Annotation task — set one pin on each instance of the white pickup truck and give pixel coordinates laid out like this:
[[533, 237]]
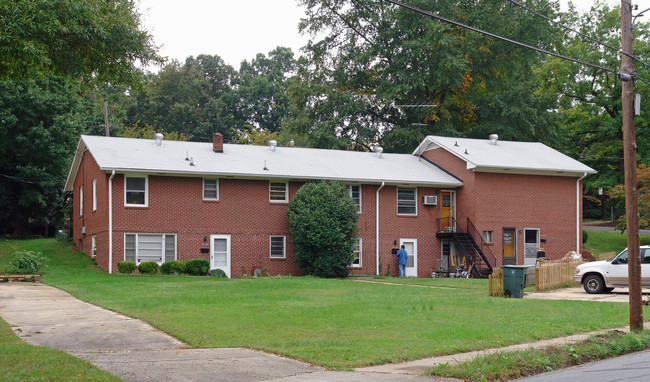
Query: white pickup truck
[[605, 275]]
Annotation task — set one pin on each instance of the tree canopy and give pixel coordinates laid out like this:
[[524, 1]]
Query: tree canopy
[[98, 40]]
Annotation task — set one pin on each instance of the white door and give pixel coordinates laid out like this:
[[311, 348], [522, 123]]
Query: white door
[[220, 253], [531, 245], [411, 247]]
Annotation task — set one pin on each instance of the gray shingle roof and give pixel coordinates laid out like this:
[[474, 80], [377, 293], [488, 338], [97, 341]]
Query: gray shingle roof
[[125, 155], [511, 156]]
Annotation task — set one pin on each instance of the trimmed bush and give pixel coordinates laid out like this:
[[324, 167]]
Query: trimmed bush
[[126, 267], [585, 236], [197, 267], [172, 268], [323, 221], [218, 273], [148, 267], [26, 262]]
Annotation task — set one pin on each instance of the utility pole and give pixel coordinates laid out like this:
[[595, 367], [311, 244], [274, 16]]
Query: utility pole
[[106, 127], [629, 155]]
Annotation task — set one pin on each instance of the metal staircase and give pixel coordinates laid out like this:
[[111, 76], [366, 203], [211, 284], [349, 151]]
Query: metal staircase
[[478, 263], [478, 255]]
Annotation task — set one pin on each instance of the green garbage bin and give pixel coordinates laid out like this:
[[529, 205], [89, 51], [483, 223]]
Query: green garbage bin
[[514, 280]]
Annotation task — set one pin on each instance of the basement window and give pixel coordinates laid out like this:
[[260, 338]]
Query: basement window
[[278, 247], [139, 247]]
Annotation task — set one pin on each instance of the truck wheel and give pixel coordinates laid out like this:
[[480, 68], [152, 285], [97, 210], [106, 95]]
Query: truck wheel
[[594, 284]]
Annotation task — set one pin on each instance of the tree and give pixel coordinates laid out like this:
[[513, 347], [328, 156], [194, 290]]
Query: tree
[[643, 189], [41, 123], [97, 40], [374, 56], [589, 99], [323, 221]]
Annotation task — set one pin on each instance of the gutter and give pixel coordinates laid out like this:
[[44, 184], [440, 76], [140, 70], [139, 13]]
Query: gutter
[[110, 222], [377, 226], [578, 194]]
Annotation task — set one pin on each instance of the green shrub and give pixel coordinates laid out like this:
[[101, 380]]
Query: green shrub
[[172, 268], [26, 262], [585, 236], [218, 273], [323, 221], [148, 267], [197, 267], [126, 267]]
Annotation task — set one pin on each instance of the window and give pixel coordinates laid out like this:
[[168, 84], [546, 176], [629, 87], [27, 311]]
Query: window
[[210, 189], [135, 191], [487, 236], [278, 192], [355, 193], [278, 248], [81, 200], [406, 198], [95, 194], [356, 252], [139, 247], [93, 249]]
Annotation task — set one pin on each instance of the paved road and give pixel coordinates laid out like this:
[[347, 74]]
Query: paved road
[[630, 368], [135, 351], [610, 229]]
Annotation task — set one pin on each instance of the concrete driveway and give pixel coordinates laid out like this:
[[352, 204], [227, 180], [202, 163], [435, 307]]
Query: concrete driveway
[[579, 294], [135, 351]]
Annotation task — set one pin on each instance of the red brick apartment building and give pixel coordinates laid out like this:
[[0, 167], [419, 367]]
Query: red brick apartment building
[[454, 203]]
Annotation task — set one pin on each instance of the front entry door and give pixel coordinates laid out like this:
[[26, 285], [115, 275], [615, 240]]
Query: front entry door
[[411, 247], [531, 245], [509, 253], [220, 253]]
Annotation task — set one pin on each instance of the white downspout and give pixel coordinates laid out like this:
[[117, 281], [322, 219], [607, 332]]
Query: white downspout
[[578, 194], [110, 222], [377, 226]]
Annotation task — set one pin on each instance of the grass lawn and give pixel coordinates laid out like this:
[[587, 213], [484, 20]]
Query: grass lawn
[[339, 324], [604, 242]]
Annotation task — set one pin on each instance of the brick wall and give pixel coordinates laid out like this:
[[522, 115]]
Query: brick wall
[[243, 211], [494, 201]]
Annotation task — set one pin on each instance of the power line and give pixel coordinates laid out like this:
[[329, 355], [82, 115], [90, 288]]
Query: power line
[[575, 31], [521, 44]]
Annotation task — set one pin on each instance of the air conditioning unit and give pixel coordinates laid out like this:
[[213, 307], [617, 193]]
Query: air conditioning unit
[[430, 200]]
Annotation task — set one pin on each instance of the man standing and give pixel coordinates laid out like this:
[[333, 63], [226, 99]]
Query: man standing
[[401, 261]]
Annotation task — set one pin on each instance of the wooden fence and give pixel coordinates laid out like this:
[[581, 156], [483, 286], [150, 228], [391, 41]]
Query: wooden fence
[[549, 274], [495, 282]]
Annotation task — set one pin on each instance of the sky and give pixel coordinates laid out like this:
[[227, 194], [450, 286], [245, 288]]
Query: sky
[[237, 30]]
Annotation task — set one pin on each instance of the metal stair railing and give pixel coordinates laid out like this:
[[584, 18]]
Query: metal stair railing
[[483, 249]]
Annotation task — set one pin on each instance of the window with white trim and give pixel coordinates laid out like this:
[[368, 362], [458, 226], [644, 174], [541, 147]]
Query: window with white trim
[[406, 201], [278, 192], [81, 200], [210, 189], [95, 194], [487, 236], [135, 190], [355, 194], [139, 247], [278, 247], [93, 249], [356, 252]]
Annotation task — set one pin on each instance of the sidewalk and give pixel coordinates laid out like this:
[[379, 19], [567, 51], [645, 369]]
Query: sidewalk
[[135, 351]]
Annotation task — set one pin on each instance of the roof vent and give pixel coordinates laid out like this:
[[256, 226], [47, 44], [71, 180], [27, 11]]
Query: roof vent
[[273, 144], [378, 151], [494, 138], [157, 139]]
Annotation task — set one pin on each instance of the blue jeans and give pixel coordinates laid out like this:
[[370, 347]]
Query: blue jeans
[[402, 270]]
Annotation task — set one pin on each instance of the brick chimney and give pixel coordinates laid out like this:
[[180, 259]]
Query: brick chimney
[[217, 143]]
